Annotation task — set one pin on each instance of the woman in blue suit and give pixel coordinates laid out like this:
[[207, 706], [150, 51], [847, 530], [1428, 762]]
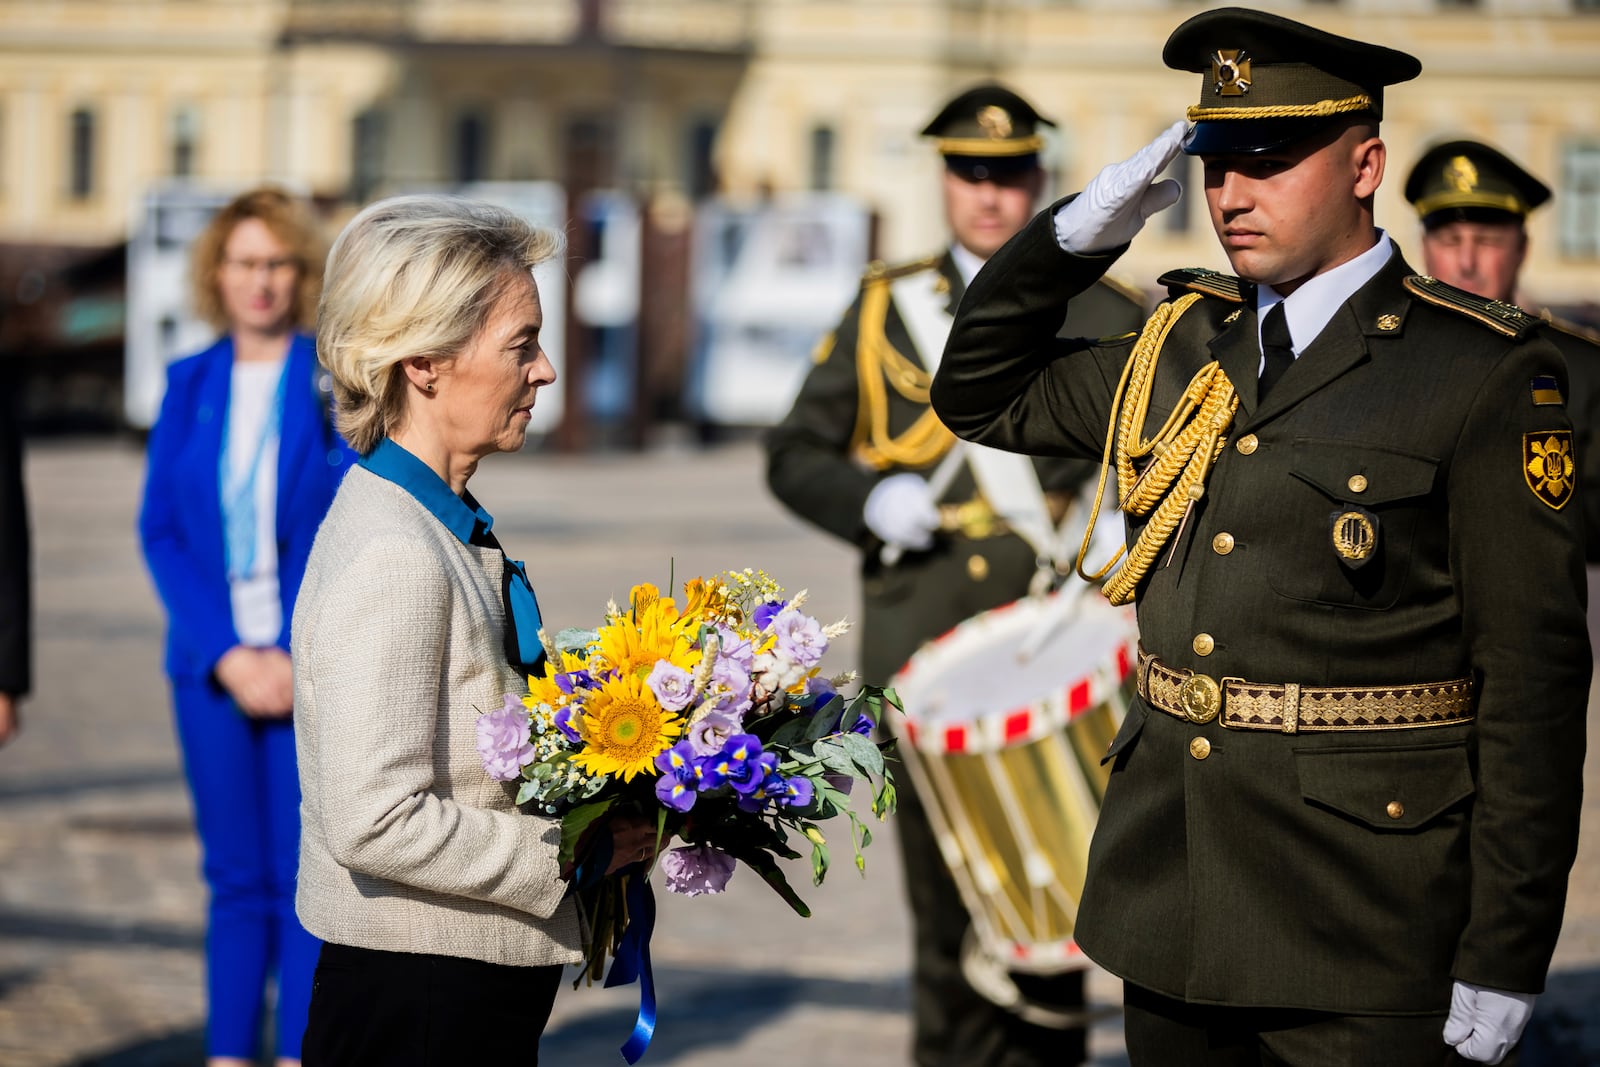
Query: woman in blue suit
[[243, 463]]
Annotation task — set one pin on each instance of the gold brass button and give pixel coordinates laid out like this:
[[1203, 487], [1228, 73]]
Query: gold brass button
[[1199, 748], [1357, 483], [977, 567], [1395, 809], [1222, 544], [1200, 698], [1247, 444], [1204, 644]]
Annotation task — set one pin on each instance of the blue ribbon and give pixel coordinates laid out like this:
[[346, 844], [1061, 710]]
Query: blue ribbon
[[633, 962]]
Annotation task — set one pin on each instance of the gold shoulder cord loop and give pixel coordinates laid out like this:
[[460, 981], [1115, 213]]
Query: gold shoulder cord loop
[[878, 364], [1184, 449]]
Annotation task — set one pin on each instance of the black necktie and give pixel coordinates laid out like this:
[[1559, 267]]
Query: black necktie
[[1277, 346]]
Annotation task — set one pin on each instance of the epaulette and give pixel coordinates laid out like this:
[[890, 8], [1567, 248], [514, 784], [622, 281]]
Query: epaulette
[[1128, 292], [1505, 319], [1567, 326], [1201, 280], [879, 271]]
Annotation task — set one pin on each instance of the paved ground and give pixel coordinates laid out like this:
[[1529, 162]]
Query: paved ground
[[100, 902]]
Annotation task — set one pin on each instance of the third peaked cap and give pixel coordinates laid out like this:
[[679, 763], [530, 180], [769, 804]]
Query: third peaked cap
[[1270, 81]]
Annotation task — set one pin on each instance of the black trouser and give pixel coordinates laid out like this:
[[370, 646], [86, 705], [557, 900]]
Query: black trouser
[[1163, 1032], [402, 1009], [955, 1026]]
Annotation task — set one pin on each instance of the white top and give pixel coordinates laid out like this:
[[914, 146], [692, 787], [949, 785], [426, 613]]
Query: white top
[[257, 608], [1309, 308], [967, 262]]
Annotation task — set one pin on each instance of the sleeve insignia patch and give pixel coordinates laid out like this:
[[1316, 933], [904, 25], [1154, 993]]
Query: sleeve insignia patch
[[1545, 389], [1548, 467]]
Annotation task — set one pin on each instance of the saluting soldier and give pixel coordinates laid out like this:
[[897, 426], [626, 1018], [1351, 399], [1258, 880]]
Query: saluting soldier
[[855, 456], [1474, 202], [1342, 811]]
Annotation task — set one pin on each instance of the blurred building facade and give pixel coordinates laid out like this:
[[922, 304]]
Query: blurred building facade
[[350, 99]]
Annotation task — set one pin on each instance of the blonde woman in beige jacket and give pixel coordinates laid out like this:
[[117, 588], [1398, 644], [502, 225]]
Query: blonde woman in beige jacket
[[444, 915]]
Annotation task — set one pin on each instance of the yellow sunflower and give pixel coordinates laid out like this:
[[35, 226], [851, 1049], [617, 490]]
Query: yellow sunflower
[[624, 729], [632, 642]]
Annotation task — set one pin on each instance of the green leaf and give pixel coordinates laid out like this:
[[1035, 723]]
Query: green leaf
[[884, 803], [825, 720], [836, 758], [527, 791], [764, 865], [863, 753], [574, 639], [789, 734], [575, 822]]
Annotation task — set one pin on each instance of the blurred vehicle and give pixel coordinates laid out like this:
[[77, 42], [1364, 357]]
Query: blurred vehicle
[[767, 283]]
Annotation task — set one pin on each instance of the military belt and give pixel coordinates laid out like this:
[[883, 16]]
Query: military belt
[[1290, 708]]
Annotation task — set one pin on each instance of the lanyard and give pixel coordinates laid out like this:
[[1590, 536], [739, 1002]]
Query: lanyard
[[239, 510]]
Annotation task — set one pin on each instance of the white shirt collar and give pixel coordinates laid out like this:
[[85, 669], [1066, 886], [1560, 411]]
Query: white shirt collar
[[1308, 308], [967, 263]]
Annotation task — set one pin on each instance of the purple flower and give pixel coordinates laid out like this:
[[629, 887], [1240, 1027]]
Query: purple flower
[[735, 648], [862, 726], [800, 638], [731, 675], [842, 782], [563, 721], [796, 791], [672, 685], [503, 740], [765, 613], [573, 680], [709, 733], [741, 764], [680, 777], [697, 869]]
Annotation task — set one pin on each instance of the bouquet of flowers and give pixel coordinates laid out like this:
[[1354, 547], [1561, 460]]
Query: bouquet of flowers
[[713, 721]]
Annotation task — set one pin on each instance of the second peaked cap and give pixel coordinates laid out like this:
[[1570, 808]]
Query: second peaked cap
[[1270, 81], [987, 130]]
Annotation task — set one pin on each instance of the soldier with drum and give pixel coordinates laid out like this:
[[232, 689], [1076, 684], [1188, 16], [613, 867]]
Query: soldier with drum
[[862, 455], [1342, 812]]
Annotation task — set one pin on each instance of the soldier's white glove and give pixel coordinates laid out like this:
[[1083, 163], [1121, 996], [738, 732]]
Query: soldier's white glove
[[1115, 203], [1485, 1024], [900, 511]]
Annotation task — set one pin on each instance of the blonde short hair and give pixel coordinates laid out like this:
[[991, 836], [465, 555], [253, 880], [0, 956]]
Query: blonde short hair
[[290, 222], [412, 276]]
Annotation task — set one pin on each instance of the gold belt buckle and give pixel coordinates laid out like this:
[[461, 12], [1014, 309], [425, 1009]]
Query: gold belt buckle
[[1200, 698]]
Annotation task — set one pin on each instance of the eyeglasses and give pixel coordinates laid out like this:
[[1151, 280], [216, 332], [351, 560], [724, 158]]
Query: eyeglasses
[[254, 266]]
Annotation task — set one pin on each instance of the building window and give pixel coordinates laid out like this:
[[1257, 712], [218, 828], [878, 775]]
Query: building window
[[80, 167], [368, 135], [471, 148], [185, 138], [702, 162], [1580, 201], [822, 141]]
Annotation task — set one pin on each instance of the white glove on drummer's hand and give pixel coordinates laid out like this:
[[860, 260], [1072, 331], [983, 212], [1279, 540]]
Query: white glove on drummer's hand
[[1115, 203], [900, 511], [1485, 1024]]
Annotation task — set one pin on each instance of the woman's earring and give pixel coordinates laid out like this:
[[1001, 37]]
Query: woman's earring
[[429, 387]]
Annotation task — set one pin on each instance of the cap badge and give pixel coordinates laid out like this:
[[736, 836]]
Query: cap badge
[[1548, 467], [1230, 72], [1461, 174], [996, 122]]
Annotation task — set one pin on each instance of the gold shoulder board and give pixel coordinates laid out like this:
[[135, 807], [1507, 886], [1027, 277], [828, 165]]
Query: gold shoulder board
[[879, 271], [1504, 319], [1203, 281], [1123, 289], [1567, 326]]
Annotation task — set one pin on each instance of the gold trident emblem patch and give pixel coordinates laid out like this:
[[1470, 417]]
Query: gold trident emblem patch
[[1547, 465]]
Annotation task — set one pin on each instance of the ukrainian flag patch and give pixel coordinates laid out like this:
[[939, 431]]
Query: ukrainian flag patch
[[1545, 389]]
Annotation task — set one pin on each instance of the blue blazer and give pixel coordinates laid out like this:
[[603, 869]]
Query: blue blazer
[[180, 521]]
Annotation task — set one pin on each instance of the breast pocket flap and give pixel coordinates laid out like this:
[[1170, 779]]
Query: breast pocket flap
[[1362, 474], [1387, 788]]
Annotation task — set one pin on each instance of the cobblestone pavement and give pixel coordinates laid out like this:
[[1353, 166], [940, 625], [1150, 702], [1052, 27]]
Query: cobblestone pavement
[[101, 907]]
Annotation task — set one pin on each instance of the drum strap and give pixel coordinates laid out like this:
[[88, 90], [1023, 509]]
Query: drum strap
[[1008, 481]]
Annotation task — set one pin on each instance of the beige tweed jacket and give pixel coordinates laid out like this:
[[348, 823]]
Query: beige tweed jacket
[[406, 844]]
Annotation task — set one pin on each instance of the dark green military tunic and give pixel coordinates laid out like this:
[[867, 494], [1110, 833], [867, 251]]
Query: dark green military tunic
[[812, 469], [1581, 349], [1353, 872]]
